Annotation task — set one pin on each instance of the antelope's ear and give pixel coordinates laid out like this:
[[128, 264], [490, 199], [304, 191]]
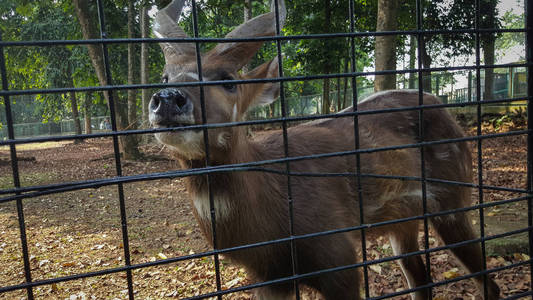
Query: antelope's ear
[[239, 54], [262, 93]]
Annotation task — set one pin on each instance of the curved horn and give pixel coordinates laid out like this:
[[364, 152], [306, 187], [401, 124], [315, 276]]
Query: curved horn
[[282, 13], [263, 25], [165, 26]]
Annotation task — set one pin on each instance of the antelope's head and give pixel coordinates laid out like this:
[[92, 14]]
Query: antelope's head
[[172, 107]]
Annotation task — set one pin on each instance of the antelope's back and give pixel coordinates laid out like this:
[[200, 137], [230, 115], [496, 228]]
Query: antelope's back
[[323, 184]]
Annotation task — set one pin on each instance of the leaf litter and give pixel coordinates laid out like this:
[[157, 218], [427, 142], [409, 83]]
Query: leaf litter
[[78, 232]]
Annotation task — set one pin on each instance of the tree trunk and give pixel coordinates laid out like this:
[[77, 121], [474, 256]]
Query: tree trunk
[[75, 114], [345, 96], [325, 97], [386, 45], [247, 10], [487, 43], [412, 62], [87, 22], [74, 106], [87, 113], [488, 58], [426, 63], [132, 141], [145, 94], [132, 94], [327, 63]]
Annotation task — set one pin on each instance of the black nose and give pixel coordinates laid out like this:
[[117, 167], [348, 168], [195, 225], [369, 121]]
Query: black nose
[[168, 105], [168, 98]]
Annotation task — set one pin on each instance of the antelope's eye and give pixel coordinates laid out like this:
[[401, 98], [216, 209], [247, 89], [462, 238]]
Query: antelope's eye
[[164, 79], [230, 87]]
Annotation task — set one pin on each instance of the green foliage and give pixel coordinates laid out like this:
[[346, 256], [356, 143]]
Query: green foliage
[[43, 67], [67, 66], [516, 118], [508, 40]]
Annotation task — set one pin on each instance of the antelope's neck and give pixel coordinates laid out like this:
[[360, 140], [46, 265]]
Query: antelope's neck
[[231, 190]]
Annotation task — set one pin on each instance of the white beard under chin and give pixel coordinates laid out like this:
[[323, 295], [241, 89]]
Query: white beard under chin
[[189, 143]]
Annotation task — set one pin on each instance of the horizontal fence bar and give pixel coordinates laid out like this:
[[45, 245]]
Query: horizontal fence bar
[[235, 167], [251, 81], [519, 295], [326, 271], [257, 122], [287, 279], [255, 39], [97, 183], [371, 226]]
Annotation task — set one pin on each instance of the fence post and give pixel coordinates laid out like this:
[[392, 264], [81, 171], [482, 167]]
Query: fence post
[[529, 60], [16, 176]]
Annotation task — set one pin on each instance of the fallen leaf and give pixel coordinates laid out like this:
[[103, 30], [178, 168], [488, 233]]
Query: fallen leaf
[[98, 247], [68, 264], [520, 256], [233, 282], [376, 268], [451, 274], [43, 262]]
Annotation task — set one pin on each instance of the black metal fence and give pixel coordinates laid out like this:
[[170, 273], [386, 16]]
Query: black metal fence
[[19, 194]]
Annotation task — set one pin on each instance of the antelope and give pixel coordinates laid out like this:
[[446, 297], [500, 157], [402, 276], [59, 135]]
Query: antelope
[[252, 206]]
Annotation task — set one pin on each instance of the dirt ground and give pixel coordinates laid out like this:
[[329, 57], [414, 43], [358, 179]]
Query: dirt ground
[[78, 232]]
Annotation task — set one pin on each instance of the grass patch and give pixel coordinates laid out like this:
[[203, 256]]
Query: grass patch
[[510, 245], [6, 182], [38, 146]]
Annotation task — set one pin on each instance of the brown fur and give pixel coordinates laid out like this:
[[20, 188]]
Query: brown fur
[[253, 207], [260, 206]]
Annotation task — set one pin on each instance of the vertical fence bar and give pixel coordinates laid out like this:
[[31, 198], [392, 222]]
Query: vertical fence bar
[[283, 102], [206, 148], [480, 144], [423, 182], [529, 59], [353, 69], [16, 176], [116, 148]]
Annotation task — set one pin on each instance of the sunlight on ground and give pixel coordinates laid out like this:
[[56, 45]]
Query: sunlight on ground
[[38, 146]]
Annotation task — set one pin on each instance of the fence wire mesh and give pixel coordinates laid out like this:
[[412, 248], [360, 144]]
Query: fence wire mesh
[[20, 194]]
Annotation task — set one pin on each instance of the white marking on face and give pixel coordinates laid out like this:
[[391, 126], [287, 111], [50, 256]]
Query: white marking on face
[[189, 143], [234, 113], [191, 75], [222, 206]]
